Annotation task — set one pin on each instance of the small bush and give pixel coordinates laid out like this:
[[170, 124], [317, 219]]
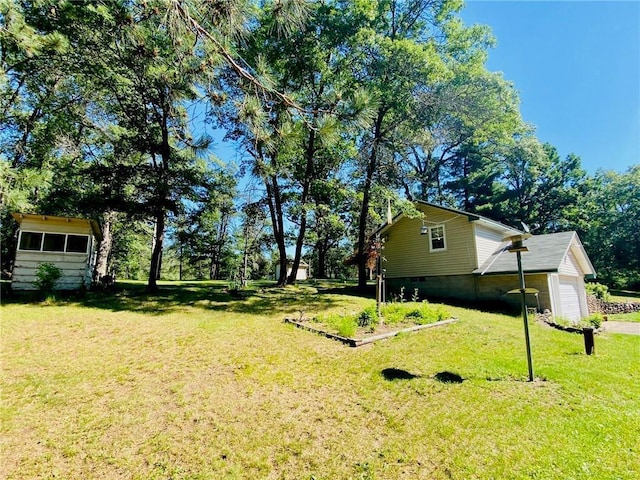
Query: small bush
[[420, 314], [347, 327], [595, 320], [368, 317], [47, 275], [598, 290], [393, 313], [344, 325]]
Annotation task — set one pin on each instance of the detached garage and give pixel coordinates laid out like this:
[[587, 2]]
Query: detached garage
[[68, 243], [555, 264]]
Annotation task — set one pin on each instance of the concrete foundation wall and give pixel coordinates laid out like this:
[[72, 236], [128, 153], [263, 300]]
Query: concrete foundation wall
[[474, 288]]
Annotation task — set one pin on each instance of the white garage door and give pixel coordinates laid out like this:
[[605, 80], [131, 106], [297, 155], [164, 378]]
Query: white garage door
[[570, 298]]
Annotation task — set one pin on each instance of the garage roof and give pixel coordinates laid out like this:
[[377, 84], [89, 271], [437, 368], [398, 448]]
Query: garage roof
[[546, 254]]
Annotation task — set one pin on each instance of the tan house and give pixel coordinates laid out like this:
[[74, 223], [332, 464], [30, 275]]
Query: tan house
[[455, 254], [68, 243]]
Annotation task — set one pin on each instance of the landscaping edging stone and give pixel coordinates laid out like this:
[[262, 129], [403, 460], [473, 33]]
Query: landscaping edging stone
[[548, 319], [357, 342]]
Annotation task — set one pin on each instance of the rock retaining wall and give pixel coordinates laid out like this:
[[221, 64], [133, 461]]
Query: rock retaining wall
[[609, 308]]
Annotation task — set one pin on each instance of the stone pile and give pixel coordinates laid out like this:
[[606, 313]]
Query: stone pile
[[609, 308]]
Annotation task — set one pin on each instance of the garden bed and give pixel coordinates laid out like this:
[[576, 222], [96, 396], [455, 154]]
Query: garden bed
[[369, 325], [381, 334]]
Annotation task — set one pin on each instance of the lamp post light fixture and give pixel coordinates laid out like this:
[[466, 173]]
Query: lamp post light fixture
[[518, 247]]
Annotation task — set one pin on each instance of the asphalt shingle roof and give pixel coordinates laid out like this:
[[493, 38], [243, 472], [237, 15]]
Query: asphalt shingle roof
[[545, 254]]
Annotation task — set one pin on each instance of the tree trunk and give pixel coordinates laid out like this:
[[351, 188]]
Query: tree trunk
[[104, 249], [303, 200], [277, 221], [366, 197], [156, 254], [321, 248]]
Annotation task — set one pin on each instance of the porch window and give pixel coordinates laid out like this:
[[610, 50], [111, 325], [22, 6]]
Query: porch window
[[53, 242], [77, 243], [30, 241], [437, 238]]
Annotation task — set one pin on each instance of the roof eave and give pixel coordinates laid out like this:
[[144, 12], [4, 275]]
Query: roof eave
[[515, 272]]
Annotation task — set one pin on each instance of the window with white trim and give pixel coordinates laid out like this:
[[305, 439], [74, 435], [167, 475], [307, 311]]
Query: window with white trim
[[30, 241], [53, 242], [437, 240]]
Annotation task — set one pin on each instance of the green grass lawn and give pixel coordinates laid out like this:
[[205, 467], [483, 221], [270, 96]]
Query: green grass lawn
[[625, 317], [625, 296], [192, 384]]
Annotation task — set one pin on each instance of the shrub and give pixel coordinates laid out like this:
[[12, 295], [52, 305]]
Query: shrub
[[347, 327], [421, 314], [595, 320], [47, 275], [393, 313], [368, 317], [344, 325], [598, 290]]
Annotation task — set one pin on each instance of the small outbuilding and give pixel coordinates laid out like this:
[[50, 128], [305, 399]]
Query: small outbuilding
[[68, 243], [303, 273]]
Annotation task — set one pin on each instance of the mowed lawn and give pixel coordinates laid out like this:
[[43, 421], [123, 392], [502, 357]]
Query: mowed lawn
[[192, 384]]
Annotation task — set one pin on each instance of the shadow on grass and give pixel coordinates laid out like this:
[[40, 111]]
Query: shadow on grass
[[625, 293], [448, 377], [172, 297], [392, 374]]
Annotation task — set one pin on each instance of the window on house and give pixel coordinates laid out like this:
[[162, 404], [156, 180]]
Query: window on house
[[77, 243], [30, 241], [53, 242], [437, 238]]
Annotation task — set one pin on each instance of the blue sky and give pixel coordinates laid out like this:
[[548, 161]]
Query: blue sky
[[576, 66]]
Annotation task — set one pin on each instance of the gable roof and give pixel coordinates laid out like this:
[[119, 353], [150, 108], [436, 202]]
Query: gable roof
[[472, 217], [546, 254]]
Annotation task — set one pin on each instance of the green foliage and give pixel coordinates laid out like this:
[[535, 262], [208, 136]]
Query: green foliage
[[47, 275], [347, 104], [419, 313], [608, 222], [598, 290], [393, 313], [345, 325], [594, 320], [415, 297], [425, 314], [368, 317]]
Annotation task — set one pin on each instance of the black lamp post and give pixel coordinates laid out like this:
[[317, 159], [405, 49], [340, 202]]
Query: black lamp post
[[518, 248]]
